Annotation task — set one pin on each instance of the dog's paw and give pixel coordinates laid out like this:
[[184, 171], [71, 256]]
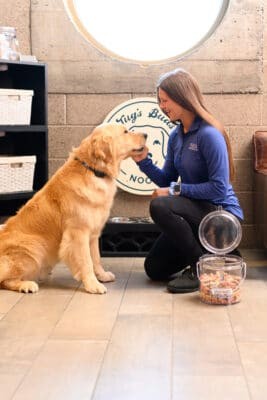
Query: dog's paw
[[106, 276], [28, 287], [95, 287]]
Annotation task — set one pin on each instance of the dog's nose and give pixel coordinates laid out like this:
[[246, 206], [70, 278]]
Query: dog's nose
[[145, 135]]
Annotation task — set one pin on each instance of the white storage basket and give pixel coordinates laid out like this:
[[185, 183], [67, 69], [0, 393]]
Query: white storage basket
[[15, 106], [16, 174]]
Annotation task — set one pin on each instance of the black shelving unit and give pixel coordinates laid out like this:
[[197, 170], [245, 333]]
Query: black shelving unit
[[24, 140]]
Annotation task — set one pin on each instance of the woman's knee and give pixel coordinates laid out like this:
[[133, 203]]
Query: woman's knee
[[153, 269], [157, 208]]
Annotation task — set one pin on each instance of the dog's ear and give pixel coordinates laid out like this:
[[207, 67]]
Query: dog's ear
[[102, 149], [102, 155]]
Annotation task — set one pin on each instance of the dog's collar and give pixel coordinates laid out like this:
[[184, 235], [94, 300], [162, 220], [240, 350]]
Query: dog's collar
[[99, 174]]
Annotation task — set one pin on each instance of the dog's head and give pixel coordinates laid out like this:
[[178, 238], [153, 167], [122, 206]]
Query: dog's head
[[108, 145]]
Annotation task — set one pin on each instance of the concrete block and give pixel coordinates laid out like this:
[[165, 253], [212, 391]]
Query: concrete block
[[264, 78], [100, 77], [63, 138], [235, 109], [54, 164], [264, 109], [56, 109], [249, 237], [91, 109], [241, 141], [238, 37], [226, 76], [113, 76], [264, 30], [61, 41], [246, 202], [244, 176], [44, 5], [130, 205], [16, 13], [241, 76]]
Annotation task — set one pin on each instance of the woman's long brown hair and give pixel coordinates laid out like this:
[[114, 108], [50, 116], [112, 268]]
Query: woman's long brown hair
[[182, 88]]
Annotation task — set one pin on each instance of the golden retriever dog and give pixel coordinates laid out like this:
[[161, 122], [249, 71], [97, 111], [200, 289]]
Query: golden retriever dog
[[63, 220]]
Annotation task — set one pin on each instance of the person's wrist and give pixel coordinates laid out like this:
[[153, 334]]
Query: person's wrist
[[175, 189]]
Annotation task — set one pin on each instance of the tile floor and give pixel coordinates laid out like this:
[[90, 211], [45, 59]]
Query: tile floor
[[136, 342]]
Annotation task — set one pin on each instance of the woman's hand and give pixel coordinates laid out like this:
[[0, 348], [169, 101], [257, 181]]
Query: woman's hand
[[160, 192], [141, 156]]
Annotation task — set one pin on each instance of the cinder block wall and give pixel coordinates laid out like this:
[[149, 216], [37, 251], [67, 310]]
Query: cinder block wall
[[85, 85]]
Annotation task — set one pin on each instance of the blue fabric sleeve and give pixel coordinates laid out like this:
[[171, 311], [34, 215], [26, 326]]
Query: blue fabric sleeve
[[162, 177], [214, 150]]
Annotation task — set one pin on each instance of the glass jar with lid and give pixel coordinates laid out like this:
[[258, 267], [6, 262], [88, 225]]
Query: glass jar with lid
[[9, 47], [220, 272]]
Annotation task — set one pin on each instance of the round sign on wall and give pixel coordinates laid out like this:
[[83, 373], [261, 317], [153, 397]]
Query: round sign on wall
[[142, 114]]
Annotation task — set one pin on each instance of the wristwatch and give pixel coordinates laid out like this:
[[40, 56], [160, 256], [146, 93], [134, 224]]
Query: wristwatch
[[175, 188]]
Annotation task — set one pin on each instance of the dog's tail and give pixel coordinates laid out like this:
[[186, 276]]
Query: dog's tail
[[5, 268]]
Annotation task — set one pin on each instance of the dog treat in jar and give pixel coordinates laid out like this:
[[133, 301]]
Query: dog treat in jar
[[220, 288], [220, 274]]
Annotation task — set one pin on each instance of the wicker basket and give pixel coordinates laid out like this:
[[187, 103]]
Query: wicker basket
[[16, 174], [15, 106]]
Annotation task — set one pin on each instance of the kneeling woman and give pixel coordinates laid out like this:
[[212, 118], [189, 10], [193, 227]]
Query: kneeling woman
[[194, 181]]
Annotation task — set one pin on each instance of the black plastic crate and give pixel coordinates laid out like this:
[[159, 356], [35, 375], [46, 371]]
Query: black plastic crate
[[122, 239]]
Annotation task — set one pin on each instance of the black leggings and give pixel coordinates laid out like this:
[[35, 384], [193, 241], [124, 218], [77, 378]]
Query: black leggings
[[178, 245]]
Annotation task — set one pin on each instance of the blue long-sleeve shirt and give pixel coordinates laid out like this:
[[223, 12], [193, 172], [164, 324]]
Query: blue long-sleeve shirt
[[200, 158]]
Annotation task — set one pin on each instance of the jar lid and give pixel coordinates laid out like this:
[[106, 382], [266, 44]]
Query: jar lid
[[220, 232]]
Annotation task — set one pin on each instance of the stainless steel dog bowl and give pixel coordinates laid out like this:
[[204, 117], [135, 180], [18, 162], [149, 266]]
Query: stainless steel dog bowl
[[130, 220]]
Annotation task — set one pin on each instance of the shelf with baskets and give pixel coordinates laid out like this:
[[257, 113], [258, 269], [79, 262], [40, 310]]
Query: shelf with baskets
[[24, 143]]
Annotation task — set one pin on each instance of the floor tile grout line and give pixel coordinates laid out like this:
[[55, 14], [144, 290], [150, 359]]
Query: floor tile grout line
[[111, 332], [55, 325], [63, 311], [172, 350], [42, 347], [17, 302], [128, 274], [240, 358], [27, 371]]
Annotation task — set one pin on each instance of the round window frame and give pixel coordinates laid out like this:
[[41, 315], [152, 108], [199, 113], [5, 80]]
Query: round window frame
[[73, 15]]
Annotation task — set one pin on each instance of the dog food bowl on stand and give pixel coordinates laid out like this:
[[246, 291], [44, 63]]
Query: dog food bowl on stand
[[220, 273]]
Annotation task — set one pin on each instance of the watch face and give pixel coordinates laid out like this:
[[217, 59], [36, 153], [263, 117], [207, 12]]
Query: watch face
[[176, 188]]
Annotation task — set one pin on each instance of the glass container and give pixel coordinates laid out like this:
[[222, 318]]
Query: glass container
[[9, 47], [220, 274]]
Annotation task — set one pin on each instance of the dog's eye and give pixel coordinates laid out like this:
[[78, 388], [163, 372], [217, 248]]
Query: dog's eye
[[125, 131]]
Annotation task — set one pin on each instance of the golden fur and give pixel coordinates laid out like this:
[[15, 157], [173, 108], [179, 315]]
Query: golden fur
[[63, 221]]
